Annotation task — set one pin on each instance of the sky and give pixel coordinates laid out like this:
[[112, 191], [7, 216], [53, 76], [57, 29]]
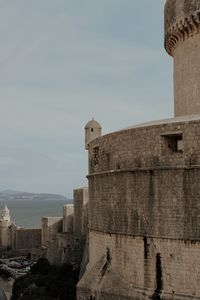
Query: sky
[[63, 62]]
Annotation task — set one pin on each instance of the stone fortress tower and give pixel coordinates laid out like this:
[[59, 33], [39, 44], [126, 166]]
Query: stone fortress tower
[[182, 41], [144, 189]]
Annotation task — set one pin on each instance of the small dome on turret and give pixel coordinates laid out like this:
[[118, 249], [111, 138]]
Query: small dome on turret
[[92, 124], [92, 131], [182, 19]]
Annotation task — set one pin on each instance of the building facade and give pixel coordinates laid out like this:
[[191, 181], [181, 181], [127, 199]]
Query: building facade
[[15, 238]]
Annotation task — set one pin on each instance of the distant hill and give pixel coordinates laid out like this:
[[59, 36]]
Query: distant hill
[[16, 195]]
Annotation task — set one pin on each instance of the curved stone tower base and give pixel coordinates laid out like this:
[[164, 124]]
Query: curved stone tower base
[[158, 267], [144, 213]]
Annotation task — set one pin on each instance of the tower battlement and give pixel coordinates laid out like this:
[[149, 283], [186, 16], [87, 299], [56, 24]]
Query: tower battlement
[[182, 20], [182, 42]]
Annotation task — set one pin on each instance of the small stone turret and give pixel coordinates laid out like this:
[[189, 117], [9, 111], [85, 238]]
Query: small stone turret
[[92, 131], [182, 41]]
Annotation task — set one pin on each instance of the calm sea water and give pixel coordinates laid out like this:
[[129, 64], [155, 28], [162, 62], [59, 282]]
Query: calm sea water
[[28, 213]]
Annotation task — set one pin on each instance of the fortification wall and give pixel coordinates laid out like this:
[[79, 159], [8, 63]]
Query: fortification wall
[[64, 237], [61, 249], [146, 147], [28, 238], [136, 261], [50, 227], [12, 233], [147, 188], [144, 207], [163, 203], [80, 211], [68, 218]]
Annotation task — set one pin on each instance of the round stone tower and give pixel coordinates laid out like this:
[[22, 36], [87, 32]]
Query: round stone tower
[[92, 131], [144, 188], [182, 42]]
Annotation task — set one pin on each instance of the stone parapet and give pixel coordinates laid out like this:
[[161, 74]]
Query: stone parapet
[[171, 144]]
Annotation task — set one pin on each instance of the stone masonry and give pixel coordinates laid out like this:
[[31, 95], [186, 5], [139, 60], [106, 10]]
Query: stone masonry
[[144, 189], [182, 27], [64, 238]]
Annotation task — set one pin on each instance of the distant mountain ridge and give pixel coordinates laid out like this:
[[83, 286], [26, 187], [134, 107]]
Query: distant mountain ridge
[[18, 195]]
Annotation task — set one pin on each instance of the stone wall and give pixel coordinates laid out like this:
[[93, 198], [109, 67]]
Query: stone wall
[[68, 218], [80, 211], [65, 246], [186, 88], [144, 190], [162, 203], [136, 259], [28, 238], [146, 147], [12, 233], [159, 196], [60, 250], [50, 227], [64, 238]]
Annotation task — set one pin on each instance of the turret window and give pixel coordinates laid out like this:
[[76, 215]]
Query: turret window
[[173, 142]]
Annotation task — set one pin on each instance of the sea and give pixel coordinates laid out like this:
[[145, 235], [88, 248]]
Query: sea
[[29, 213]]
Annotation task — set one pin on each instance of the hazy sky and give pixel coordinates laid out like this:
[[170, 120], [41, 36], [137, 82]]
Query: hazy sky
[[64, 62]]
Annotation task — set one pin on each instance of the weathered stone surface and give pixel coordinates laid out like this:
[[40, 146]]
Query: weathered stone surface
[[146, 147], [68, 217], [50, 227], [182, 41], [178, 10], [64, 238], [144, 189], [144, 207], [80, 211], [28, 238], [134, 262], [92, 131]]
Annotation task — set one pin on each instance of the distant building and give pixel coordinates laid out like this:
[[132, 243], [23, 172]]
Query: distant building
[[65, 238], [16, 238]]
